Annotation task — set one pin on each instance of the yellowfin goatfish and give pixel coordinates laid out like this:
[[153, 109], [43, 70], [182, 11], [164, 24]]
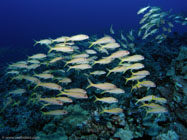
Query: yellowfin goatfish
[[103, 86], [17, 91], [134, 66], [157, 110], [133, 58], [79, 37], [105, 60], [44, 75], [136, 77], [65, 80], [43, 42], [112, 45], [64, 99], [38, 56], [77, 95], [55, 112], [80, 67], [107, 100], [75, 90], [61, 49], [77, 60], [116, 69], [98, 73], [60, 39], [114, 91], [142, 10], [52, 86], [103, 40], [114, 111], [140, 73], [118, 54], [52, 101]]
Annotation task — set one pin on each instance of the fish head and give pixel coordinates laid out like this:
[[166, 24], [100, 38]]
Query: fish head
[[86, 96], [59, 87], [60, 102], [64, 112]]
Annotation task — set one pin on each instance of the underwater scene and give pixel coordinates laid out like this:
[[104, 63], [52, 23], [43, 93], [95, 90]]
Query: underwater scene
[[93, 70]]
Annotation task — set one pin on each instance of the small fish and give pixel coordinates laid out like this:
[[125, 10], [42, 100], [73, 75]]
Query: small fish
[[52, 101], [103, 40], [44, 75], [79, 37], [142, 10], [75, 90], [61, 49], [157, 110], [38, 56], [111, 30], [98, 73], [65, 80], [146, 98], [133, 58], [114, 91], [136, 77], [61, 39], [89, 51], [77, 95], [107, 100], [134, 66], [116, 69], [103, 61], [55, 112], [140, 73], [54, 60], [159, 99], [33, 66], [17, 91], [52, 86], [18, 66], [13, 72], [151, 105], [148, 84], [31, 79], [80, 67], [112, 45], [33, 61], [64, 99], [80, 55], [118, 54], [103, 86], [43, 42], [76, 61], [114, 111]]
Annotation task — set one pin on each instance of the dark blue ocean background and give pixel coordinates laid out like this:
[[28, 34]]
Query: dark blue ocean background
[[21, 21]]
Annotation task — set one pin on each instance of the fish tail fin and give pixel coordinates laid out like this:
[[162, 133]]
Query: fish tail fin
[[69, 69], [44, 106], [61, 93], [109, 71], [96, 99], [127, 79], [137, 101], [35, 86], [50, 49], [36, 42], [66, 64], [90, 83], [91, 45], [103, 110]]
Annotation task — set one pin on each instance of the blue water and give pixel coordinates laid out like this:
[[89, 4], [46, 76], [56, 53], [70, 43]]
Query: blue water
[[24, 20]]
